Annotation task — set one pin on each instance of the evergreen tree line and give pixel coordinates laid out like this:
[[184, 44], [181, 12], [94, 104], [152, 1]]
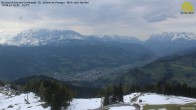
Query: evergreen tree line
[[2, 83], [177, 89], [114, 94], [56, 94]]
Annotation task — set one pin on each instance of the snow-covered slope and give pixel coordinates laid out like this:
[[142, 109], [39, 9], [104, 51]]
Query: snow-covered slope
[[85, 104], [129, 101], [18, 102], [152, 98], [157, 99], [128, 98]]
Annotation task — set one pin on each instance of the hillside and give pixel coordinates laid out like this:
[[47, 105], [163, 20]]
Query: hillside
[[31, 98], [63, 61], [16, 102], [82, 90], [131, 102], [174, 68]]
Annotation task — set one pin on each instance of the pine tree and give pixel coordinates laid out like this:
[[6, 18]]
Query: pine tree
[[106, 100], [41, 91], [1, 83], [53, 92], [120, 93]]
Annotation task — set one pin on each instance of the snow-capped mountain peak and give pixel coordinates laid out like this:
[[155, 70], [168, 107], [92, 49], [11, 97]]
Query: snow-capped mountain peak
[[168, 43], [173, 36], [38, 37], [41, 37], [4, 38]]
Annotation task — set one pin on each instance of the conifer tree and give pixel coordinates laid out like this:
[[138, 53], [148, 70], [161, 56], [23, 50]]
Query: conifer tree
[[120, 93], [41, 91], [106, 100]]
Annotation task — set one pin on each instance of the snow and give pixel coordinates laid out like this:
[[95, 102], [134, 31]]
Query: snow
[[85, 104], [157, 99], [36, 37], [18, 102], [127, 98], [4, 39], [173, 36], [162, 109], [122, 108], [147, 98]]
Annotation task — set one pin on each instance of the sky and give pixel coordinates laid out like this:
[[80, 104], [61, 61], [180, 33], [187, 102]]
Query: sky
[[134, 18]]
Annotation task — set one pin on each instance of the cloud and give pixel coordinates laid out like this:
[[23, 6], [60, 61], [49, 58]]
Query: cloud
[[125, 17]]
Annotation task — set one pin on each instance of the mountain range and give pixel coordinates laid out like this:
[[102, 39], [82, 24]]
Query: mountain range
[[67, 54], [168, 43], [70, 56], [43, 37], [162, 44]]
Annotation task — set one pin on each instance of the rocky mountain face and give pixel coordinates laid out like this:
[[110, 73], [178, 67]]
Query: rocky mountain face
[[59, 37], [164, 44], [170, 42]]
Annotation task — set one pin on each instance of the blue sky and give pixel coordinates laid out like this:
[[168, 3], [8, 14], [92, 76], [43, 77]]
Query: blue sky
[[136, 18]]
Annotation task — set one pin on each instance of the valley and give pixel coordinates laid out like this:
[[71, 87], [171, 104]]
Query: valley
[[158, 73], [97, 55]]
